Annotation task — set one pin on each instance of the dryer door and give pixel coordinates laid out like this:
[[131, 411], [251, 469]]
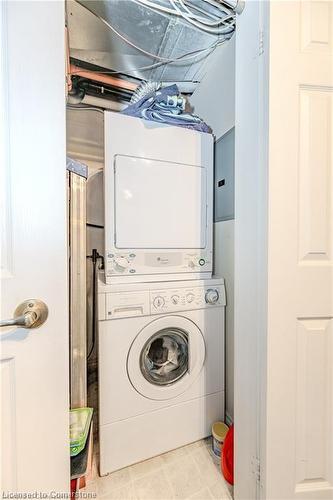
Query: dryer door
[[153, 194], [166, 357]]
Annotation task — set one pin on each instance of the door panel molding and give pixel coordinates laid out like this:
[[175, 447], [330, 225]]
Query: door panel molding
[[314, 404], [315, 174], [316, 26]]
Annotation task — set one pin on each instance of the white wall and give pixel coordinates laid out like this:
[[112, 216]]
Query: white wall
[[214, 101]]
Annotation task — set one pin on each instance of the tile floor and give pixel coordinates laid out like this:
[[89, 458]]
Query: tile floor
[[186, 473]]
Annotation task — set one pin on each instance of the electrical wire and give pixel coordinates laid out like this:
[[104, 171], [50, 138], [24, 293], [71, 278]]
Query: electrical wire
[[125, 39], [219, 6], [132, 44], [228, 20], [169, 10], [219, 21], [186, 56], [201, 20], [106, 72], [202, 11], [207, 29]]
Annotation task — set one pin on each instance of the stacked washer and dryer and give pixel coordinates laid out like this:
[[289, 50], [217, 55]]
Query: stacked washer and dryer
[[160, 312]]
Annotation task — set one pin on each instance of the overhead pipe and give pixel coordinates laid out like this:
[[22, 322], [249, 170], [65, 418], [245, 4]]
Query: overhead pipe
[[99, 77]]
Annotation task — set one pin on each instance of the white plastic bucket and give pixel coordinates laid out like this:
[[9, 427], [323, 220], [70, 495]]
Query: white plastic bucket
[[219, 432]]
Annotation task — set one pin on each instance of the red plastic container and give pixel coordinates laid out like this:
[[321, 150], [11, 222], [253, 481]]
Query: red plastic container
[[227, 458]]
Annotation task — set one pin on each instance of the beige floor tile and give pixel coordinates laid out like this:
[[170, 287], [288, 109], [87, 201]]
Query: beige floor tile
[[112, 482], [210, 474], [187, 473], [208, 442], [219, 491], [153, 486], [174, 455], [143, 468], [193, 446], [184, 477], [125, 493], [202, 495], [230, 489]]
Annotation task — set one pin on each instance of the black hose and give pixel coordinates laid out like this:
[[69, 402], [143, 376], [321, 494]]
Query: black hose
[[95, 258]]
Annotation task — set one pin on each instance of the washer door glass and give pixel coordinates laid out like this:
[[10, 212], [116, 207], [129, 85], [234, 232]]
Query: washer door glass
[[164, 357]]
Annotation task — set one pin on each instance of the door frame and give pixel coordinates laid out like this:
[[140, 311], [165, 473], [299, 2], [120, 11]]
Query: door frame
[[251, 233]]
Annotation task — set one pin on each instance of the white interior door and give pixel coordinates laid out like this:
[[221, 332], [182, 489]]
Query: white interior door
[[299, 403], [33, 363]]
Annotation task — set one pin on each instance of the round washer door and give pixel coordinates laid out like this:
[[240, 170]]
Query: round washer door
[[166, 357]]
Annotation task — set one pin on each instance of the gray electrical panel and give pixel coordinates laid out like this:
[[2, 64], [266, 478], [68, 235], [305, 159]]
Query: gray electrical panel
[[224, 177]]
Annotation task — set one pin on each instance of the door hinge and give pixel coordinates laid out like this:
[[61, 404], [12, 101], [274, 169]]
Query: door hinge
[[261, 42], [256, 468]]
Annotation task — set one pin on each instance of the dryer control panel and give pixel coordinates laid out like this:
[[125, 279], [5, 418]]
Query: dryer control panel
[[182, 299]]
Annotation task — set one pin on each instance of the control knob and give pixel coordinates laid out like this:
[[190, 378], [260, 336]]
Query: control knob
[[158, 302], [121, 263], [212, 296], [195, 262], [175, 299]]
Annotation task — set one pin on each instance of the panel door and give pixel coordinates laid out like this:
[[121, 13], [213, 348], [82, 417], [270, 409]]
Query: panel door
[[33, 362], [299, 412]]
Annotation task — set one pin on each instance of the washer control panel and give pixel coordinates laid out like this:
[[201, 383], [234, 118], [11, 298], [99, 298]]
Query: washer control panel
[[185, 298], [137, 299]]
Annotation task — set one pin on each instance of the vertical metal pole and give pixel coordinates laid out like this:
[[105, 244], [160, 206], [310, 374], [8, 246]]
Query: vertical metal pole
[[77, 279]]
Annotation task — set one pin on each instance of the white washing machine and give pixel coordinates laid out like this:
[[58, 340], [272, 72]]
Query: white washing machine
[[161, 367]]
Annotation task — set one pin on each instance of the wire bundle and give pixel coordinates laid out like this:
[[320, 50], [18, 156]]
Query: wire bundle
[[219, 22], [210, 16]]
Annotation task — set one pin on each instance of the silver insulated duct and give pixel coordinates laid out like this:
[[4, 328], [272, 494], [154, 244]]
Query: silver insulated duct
[[158, 40]]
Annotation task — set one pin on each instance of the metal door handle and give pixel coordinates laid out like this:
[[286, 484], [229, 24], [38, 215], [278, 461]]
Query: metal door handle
[[32, 313]]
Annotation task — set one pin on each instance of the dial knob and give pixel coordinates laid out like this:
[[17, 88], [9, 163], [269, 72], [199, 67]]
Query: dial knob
[[121, 263], [158, 302], [212, 296], [175, 299], [196, 261], [190, 297]]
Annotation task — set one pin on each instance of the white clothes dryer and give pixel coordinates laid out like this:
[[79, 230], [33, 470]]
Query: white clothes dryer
[[161, 367], [158, 182]]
